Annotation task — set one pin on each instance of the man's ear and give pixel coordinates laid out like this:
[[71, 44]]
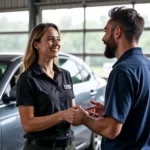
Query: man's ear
[[117, 32], [35, 45]]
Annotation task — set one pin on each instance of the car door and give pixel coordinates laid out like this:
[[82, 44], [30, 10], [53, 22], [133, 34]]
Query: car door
[[89, 85], [82, 133], [11, 129]]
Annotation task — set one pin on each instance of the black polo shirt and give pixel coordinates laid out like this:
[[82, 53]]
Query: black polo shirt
[[128, 101], [47, 96]]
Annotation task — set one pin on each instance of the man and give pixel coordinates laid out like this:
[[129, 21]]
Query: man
[[125, 124]]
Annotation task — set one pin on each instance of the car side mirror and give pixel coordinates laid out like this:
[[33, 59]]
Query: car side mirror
[[11, 97], [13, 92]]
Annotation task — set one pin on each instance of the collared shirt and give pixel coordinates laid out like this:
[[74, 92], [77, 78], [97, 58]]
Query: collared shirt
[[47, 96], [128, 101]]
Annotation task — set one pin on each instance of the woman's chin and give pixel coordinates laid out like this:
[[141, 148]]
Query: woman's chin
[[54, 55]]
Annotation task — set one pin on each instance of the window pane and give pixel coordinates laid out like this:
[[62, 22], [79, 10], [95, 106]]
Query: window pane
[[85, 75], [143, 9], [14, 21], [3, 68], [94, 42], [72, 42], [13, 43], [97, 17], [144, 41], [71, 66], [65, 18], [100, 65]]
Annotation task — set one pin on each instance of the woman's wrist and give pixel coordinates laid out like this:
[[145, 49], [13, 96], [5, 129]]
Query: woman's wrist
[[61, 116]]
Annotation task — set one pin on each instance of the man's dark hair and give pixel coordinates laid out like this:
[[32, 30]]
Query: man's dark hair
[[129, 20]]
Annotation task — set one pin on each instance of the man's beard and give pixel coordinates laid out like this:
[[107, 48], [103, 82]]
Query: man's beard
[[110, 48]]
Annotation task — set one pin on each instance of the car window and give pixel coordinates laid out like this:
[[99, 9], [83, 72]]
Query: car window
[[10, 91], [3, 68], [84, 73], [6, 94], [71, 66]]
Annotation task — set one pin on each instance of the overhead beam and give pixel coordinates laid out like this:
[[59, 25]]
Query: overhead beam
[[88, 2]]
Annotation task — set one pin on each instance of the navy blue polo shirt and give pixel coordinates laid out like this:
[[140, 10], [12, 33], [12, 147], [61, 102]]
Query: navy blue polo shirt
[[128, 101], [47, 96]]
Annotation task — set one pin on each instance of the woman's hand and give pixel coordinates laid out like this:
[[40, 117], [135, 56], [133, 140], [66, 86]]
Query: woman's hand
[[69, 115]]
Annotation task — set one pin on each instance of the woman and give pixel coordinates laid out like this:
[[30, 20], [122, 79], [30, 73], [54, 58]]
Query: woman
[[45, 93]]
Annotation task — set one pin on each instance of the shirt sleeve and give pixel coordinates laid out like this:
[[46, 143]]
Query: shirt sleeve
[[25, 91], [119, 95]]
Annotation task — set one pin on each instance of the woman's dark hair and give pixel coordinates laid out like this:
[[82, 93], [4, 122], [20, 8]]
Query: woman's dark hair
[[129, 20]]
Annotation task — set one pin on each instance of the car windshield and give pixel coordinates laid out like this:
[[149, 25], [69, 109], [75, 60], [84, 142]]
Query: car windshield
[[3, 67]]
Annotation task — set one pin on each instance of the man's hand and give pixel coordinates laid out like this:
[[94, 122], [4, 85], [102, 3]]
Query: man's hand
[[97, 110], [79, 116]]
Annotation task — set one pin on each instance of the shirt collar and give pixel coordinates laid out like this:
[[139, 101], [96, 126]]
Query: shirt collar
[[38, 71], [129, 52]]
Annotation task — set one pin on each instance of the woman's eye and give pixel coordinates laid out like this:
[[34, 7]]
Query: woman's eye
[[50, 39]]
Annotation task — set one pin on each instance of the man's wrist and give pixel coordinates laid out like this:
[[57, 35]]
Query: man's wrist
[[85, 117]]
